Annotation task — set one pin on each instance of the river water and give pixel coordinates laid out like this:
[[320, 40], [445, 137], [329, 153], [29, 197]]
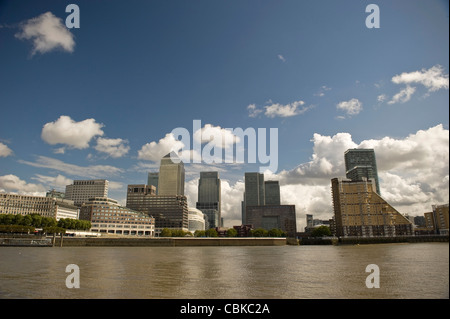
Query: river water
[[418, 270]]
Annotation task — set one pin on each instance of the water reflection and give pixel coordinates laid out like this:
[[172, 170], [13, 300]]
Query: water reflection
[[406, 271]]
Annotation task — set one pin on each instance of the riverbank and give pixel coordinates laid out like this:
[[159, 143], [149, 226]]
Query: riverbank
[[372, 240], [168, 242]]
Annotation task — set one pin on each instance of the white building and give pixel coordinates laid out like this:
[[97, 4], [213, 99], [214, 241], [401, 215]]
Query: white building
[[196, 219]]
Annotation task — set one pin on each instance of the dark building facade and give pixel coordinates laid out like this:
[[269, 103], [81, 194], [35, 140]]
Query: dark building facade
[[361, 163], [273, 216]]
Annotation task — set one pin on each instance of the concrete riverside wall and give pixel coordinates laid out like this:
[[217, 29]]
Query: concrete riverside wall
[[169, 242], [372, 240]]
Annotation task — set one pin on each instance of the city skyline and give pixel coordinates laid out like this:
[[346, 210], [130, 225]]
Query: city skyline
[[100, 101]]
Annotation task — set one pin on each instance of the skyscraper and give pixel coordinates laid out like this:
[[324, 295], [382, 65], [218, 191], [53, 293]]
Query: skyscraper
[[361, 163], [153, 180], [254, 192], [171, 176], [209, 197], [272, 193]]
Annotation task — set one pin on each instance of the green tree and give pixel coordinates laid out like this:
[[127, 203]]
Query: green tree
[[259, 232], [200, 233], [232, 232], [321, 231], [211, 233], [166, 232], [274, 232]]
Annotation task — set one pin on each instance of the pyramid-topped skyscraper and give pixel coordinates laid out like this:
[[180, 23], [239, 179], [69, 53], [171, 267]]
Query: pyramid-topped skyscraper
[[171, 175]]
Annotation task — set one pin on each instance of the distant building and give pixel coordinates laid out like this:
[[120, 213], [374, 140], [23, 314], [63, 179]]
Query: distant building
[[361, 163], [45, 206], [254, 192], [309, 222], [152, 180], [243, 230], [360, 211], [55, 194], [81, 190], [209, 197], [171, 176], [272, 193], [274, 216], [169, 211], [438, 220], [196, 219], [108, 217]]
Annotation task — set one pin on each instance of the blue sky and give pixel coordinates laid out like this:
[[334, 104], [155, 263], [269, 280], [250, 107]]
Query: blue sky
[[136, 70]]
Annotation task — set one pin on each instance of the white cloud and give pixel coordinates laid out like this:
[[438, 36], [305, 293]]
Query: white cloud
[[381, 98], [351, 107], [47, 33], [279, 110], [13, 184], [92, 171], [57, 182], [74, 134], [114, 147], [154, 151], [433, 79], [253, 111], [322, 91], [403, 96], [216, 136], [280, 57], [4, 150]]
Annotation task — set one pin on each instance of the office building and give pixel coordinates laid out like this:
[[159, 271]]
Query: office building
[[438, 221], [273, 216], [169, 211], [196, 219], [152, 180], [272, 193], [254, 192], [209, 198], [360, 211], [81, 190], [361, 163], [45, 206], [171, 176], [108, 217]]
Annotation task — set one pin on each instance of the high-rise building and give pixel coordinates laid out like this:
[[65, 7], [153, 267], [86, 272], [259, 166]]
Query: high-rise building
[[209, 197], [81, 190], [254, 192], [169, 211], [171, 176], [361, 163], [272, 193], [360, 211], [107, 216], [152, 180]]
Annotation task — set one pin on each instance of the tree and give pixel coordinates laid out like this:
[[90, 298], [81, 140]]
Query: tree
[[321, 231], [232, 232], [200, 233], [259, 232], [274, 232], [166, 232], [211, 233]]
